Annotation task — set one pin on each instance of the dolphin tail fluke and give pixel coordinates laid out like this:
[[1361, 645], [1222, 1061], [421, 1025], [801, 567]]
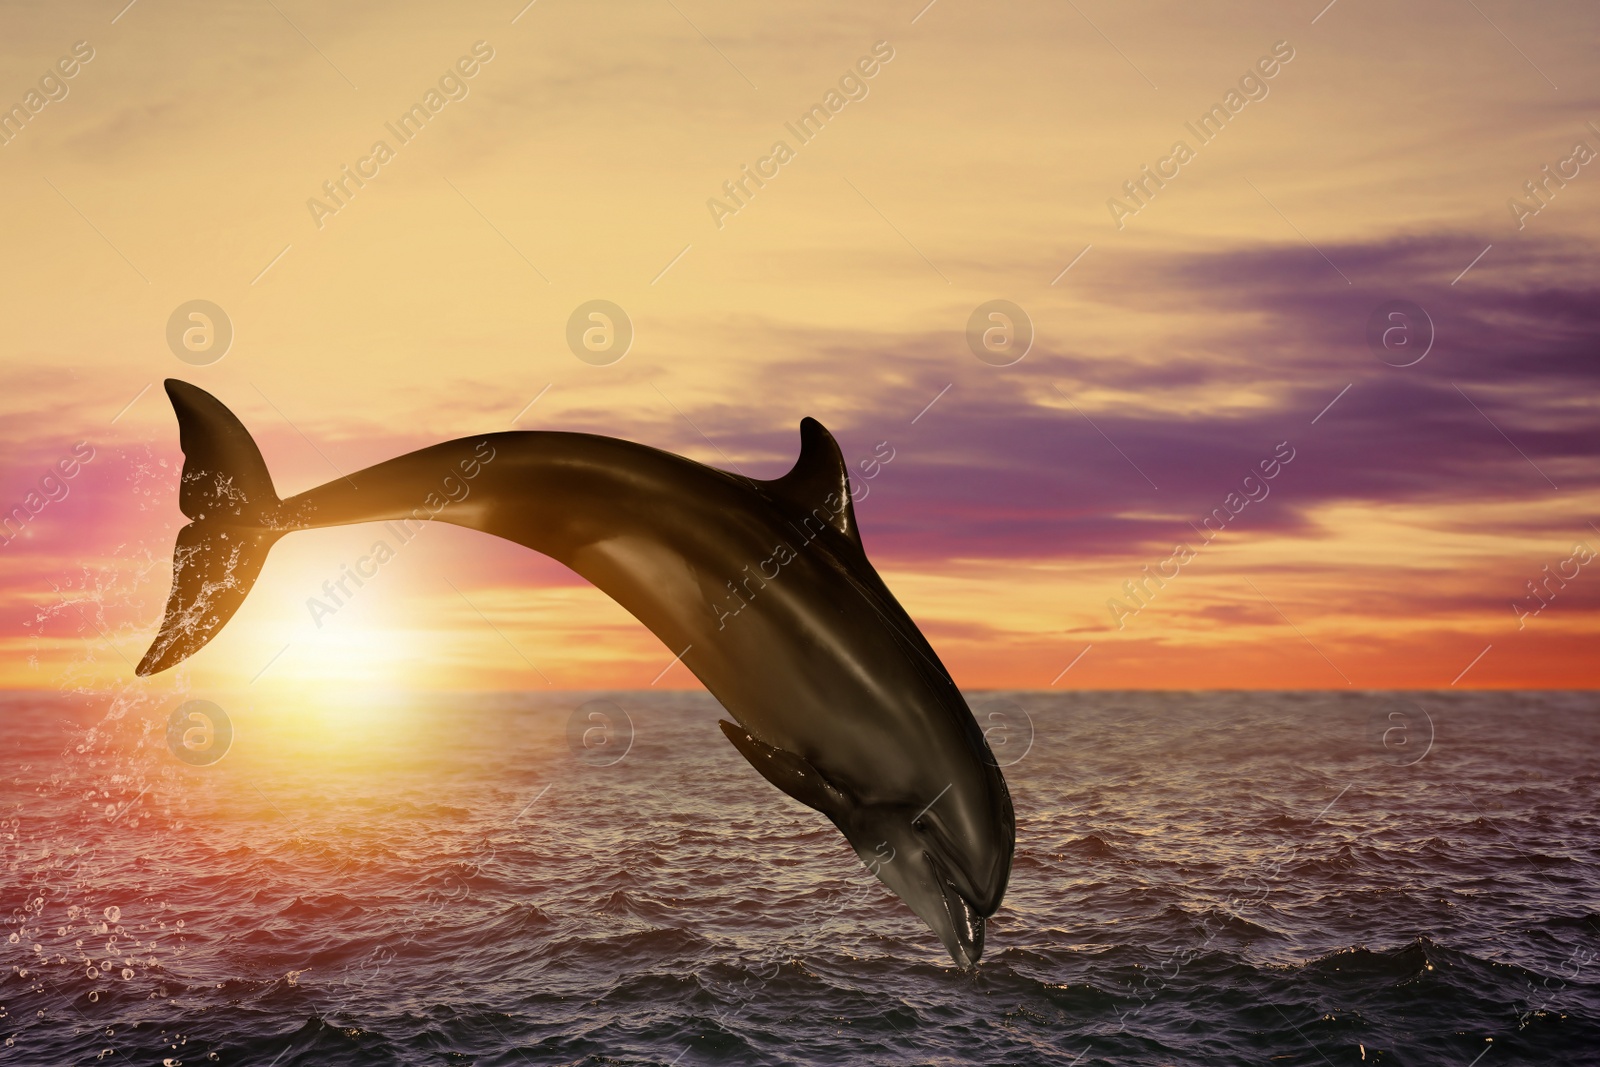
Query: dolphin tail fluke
[[234, 511]]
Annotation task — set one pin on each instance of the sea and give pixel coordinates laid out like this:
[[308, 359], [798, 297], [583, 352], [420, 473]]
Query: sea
[[1209, 878]]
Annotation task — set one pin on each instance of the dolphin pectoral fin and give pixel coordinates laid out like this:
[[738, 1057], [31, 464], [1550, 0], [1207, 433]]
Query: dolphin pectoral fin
[[818, 477], [791, 773]]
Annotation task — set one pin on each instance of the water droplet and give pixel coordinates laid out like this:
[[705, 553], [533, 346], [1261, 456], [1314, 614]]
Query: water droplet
[[171, 1061], [94, 996], [127, 972], [14, 939], [113, 914], [93, 972]]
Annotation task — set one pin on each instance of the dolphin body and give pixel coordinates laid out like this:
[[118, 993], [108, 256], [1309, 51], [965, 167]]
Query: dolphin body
[[837, 698]]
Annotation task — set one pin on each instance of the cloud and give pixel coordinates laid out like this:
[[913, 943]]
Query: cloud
[[1028, 463], [1060, 456]]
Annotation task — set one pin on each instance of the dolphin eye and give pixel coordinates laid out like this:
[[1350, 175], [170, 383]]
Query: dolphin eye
[[921, 825]]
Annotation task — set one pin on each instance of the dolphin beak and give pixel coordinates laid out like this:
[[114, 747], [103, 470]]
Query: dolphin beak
[[962, 928]]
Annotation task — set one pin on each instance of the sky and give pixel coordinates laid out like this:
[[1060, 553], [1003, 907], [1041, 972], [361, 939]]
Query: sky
[[1207, 304]]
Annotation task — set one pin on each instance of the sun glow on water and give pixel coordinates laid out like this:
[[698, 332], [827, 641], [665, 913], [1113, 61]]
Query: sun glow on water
[[346, 731]]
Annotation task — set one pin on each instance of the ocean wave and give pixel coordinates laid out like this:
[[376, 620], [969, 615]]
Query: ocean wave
[[1200, 879]]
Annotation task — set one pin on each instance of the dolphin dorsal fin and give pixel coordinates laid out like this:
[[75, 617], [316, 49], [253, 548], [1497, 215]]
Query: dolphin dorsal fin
[[818, 486]]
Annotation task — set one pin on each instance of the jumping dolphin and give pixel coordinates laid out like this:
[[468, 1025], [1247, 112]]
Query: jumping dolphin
[[839, 700]]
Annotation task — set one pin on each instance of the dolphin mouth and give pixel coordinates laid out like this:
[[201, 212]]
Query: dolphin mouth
[[963, 935]]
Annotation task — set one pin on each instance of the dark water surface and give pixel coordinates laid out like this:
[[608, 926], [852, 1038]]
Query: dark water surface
[[1218, 878]]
